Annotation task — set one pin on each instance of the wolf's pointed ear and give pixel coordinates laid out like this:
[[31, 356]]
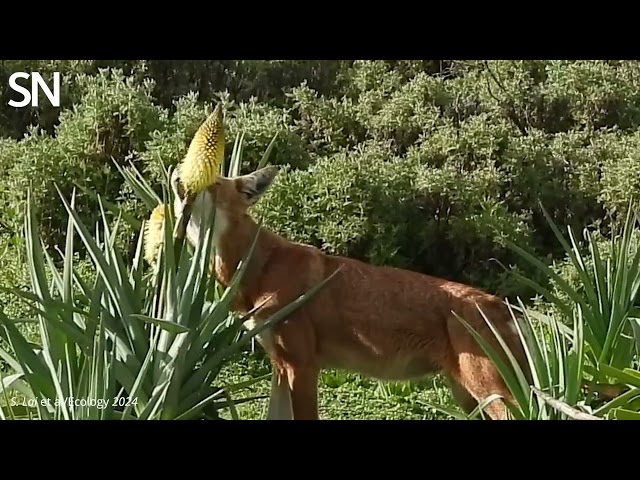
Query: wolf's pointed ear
[[253, 185]]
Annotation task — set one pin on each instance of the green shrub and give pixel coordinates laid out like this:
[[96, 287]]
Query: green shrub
[[14, 275], [477, 145], [617, 155], [112, 121], [465, 225], [325, 124], [478, 142], [337, 203], [598, 93], [409, 112], [267, 80], [35, 161], [259, 123]]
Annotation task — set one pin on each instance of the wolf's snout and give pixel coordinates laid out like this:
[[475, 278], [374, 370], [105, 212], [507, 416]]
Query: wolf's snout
[[176, 185]]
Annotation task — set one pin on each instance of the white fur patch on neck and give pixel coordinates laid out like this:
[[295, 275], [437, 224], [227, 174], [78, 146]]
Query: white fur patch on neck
[[202, 215]]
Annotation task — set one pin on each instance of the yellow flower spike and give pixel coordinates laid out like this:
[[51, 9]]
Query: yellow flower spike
[[153, 235], [200, 167]]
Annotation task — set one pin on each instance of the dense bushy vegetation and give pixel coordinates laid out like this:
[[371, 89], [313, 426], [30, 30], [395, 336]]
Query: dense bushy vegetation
[[426, 165]]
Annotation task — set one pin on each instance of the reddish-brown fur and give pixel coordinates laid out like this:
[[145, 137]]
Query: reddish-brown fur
[[383, 322]]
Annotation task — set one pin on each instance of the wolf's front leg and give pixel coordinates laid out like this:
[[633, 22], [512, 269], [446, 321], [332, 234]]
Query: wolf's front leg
[[280, 399], [303, 381]]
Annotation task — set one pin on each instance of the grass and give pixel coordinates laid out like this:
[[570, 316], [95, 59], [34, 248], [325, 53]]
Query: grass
[[344, 396]]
